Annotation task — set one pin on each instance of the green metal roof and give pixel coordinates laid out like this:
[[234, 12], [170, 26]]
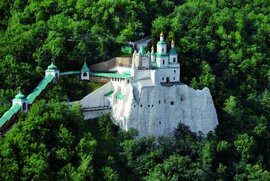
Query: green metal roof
[[52, 67], [40, 87], [70, 73], [111, 75], [85, 68], [120, 96], [172, 51], [161, 42], [8, 114], [142, 51], [161, 54], [109, 94], [20, 95]]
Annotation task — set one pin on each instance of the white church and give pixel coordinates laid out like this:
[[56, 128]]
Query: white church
[[149, 97]]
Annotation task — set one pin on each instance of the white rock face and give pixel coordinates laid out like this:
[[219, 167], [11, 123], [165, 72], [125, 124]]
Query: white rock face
[[157, 110]]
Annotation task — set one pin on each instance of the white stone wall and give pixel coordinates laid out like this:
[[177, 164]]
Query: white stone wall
[[158, 110], [145, 62], [96, 98], [160, 61], [142, 74], [160, 47], [171, 58], [172, 73]]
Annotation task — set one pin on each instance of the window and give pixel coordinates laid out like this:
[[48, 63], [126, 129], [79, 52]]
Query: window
[[159, 101], [152, 105], [163, 62], [134, 105], [182, 98], [24, 106], [159, 122], [173, 78], [128, 81], [162, 78], [148, 105], [174, 60], [172, 103], [174, 71], [164, 100], [141, 105], [162, 50], [84, 74]]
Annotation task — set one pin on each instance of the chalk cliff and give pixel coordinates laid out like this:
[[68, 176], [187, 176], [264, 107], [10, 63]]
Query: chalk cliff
[[157, 110]]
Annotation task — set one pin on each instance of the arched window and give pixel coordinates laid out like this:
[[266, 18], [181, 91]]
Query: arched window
[[128, 81], [172, 103], [84, 74], [162, 50], [24, 106], [174, 71], [141, 105], [163, 62], [159, 101], [174, 59]]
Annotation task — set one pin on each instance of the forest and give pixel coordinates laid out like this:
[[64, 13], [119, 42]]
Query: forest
[[222, 44]]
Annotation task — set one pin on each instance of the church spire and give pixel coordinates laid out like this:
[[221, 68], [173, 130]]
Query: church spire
[[161, 36], [172, 44]]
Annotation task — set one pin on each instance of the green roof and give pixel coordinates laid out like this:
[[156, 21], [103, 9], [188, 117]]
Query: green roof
[[161, 42], [142, 51], [161, 54], [70, 73], [52, 67], [111, 75], [85, 68], [20, 95], [109, 94], [8, 114], [40, 87], [172, 51], [120, 96]]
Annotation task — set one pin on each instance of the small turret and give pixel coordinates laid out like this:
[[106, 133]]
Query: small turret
[[22, 101], [172, 54], [52, 70], [142, 51], [85, 72]]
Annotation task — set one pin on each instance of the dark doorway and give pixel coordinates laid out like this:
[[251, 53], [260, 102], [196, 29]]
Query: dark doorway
[[85, 74], [167, 79]]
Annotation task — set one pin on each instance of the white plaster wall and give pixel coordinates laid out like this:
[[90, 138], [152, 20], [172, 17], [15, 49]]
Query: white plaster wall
[[160, 61], [96, 98], [171, 58], [142, 74], [87, 77], [194, 108], [159, 48], [153, 76], [145, 62]]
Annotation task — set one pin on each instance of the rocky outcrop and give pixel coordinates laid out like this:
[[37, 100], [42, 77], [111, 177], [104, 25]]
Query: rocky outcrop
[[157, 110]]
